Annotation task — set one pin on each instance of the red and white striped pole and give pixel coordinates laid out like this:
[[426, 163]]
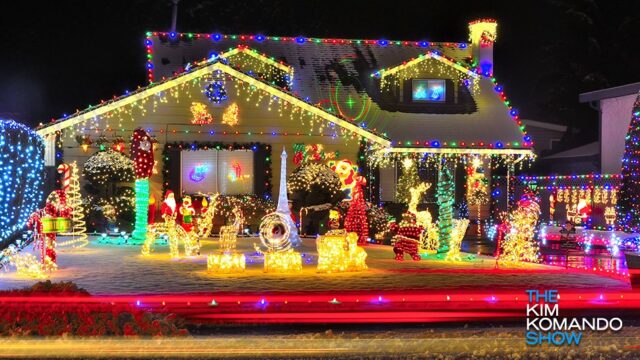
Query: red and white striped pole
[[65, 169]]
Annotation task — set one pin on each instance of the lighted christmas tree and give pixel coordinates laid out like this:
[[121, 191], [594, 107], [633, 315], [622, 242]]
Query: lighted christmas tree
[[519, 243], [408, 180], [629, 202], [74, 200], [356, 219], [445, 197]]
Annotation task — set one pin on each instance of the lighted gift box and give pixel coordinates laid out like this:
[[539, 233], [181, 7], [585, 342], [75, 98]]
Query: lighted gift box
[[226, 262], [282, 261], [338, 251]]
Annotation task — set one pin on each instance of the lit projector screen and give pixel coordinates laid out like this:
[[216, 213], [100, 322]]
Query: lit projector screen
[[428, 90], [222, 171]]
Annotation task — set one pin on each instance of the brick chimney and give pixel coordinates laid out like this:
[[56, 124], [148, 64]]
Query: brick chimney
[[482, 34]]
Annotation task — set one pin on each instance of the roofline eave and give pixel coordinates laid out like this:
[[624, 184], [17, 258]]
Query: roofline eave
[[182, 78], [460, 151]]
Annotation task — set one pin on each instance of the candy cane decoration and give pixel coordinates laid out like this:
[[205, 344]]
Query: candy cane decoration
[[66, 178]]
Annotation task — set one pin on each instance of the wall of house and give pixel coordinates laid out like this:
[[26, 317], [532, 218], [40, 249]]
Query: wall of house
[[615, 115], [174, 114], [543, 138]]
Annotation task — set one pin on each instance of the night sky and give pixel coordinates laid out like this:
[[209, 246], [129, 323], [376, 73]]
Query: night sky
[[58, 56]]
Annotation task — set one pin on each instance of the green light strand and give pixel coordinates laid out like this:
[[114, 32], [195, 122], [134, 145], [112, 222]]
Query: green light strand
[[142, 209]]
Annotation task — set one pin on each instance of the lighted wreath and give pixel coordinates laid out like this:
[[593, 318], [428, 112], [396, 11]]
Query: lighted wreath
[[216, 92]]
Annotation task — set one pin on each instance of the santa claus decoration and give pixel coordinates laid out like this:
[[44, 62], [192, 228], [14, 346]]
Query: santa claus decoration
[[407, 238], [168, 208]]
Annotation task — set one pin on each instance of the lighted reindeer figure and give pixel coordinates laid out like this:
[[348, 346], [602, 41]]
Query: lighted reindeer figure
[[423, 218], [229, 233], [175, 234], [205, 223]]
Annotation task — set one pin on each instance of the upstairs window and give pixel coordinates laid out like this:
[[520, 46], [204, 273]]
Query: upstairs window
[[428, 90]]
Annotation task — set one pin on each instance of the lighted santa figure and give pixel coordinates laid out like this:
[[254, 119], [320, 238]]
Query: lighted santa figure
[[187, 211], [407, 238], [168, 208], [583, 210]]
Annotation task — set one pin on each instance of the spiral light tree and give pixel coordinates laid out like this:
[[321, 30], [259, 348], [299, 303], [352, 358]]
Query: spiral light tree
[[445, 197], [71, 185], [142, 156]]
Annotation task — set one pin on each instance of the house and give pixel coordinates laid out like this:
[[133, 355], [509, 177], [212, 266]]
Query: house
[[615, 107], [221, 107]]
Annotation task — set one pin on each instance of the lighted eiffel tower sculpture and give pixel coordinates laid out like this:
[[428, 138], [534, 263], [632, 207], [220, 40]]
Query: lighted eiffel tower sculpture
[[278, 232], [283, 202]]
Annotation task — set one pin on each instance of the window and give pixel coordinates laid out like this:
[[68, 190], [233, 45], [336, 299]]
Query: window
[[428, 90], [223, 171]]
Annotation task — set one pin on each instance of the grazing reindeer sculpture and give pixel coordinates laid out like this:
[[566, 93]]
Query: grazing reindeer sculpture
[[423, 218]]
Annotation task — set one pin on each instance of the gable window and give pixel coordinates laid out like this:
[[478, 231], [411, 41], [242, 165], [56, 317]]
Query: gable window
[[428, 90]]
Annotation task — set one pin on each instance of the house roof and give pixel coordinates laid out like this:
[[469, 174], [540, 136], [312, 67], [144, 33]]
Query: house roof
[[612, 92], [589, 149], [204, 68], [337, 73]]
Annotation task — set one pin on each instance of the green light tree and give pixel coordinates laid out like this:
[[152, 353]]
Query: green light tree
[[408, 180]]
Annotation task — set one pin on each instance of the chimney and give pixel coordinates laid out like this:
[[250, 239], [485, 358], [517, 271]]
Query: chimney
[[174, 15], [482, 34]]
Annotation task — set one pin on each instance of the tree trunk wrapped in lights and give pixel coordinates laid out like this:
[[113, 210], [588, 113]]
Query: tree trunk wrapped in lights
[[142, 155], [445, 197], [629, 202]]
